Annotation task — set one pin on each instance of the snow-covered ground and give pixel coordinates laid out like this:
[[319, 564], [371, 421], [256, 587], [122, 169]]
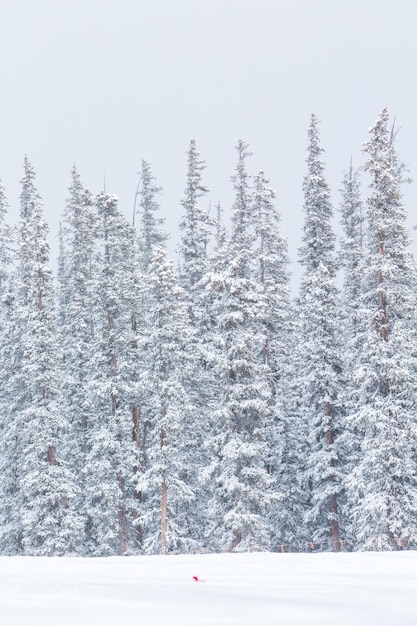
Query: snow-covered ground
[[240, 589]]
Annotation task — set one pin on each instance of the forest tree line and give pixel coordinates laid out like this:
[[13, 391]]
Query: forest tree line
[[147, 408]]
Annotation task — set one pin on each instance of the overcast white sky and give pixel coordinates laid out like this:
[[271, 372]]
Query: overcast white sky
[[105, 83]]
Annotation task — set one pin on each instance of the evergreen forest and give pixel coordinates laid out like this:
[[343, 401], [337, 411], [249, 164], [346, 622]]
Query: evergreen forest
[[148, 407]]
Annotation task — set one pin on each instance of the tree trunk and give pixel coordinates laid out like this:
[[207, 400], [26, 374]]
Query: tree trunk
[[52, 461], [51, 455], [122, 517], [237, 539], [334, 524], [164, 518], [136, 425], [137, 495]]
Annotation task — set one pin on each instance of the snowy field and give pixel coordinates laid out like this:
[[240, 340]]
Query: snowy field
[[240, 589]]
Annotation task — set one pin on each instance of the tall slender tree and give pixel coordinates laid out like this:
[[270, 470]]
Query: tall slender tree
[[352, 264], [49, 523], [9, 336], [167, 512], [6, 241], [352, 244], [272, 275], [242, 491], [194, 225], [151, 233], [76, 321], [112, 388], [384, 481], [320, 363]]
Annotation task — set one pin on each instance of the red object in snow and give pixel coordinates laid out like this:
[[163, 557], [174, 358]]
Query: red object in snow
[[197, 579]]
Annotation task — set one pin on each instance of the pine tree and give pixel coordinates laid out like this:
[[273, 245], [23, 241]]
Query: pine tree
[[112, 454], [383, 483], [49, 523], [151, 234], [194, 226], [9, 522], [76, 323], [352, 263], [320, 363], [243, 420], [6, 241], [167, 505], [272, 275], [351, 245]]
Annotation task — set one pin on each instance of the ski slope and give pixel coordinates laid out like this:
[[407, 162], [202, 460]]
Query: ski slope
[[355, 589]]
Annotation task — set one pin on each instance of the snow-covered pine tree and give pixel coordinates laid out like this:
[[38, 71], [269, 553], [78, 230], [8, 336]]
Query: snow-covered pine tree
[[10, 520], [112, 391], [46, 489], [168, 500], [151, 233], [211, 383], [76, 322], [351, 258], [6, 241], [351, 261], [351, 244], [241, 484], [61, 276], [272, 275], [319, 358], [9, 525], [195, 226], [383, 483], [272, 272]]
